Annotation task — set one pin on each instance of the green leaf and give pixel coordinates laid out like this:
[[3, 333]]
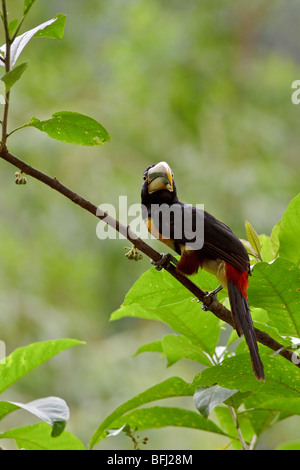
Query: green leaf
[[158, 417], [207, 398], [154, 346], [261, 321], [261, 419], [24, 359], [267, 250], [27, 5], [275, 238], [12, 26], [176, 347], [253, 239], [158, 289], [237, 399], [73, 128], [38, 437], [158, 296], [13, 75], [55, 30], [52, 410], [289, 233], [20, 42], [173, 387], [282, 377], [290, 406], [275, 288], [225, 420]]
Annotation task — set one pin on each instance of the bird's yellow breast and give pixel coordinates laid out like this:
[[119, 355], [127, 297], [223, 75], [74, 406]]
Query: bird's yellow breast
[[216, 267], [155, 232]]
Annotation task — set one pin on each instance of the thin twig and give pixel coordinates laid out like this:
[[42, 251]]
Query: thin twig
[[7, 69], [212, 304], [21, 22]]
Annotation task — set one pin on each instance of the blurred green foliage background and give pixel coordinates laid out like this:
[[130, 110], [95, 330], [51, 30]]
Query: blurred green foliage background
[[205, 86]]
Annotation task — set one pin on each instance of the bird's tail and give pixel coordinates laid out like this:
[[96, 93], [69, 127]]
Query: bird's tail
[[237, 284]]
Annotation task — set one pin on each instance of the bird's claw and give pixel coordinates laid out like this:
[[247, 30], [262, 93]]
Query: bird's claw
[[209, 295], [164, 262]]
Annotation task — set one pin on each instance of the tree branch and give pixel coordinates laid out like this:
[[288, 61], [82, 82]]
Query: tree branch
[[212, 304]]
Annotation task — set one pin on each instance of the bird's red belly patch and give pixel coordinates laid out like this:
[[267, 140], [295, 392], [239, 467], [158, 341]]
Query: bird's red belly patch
[[189, 263]]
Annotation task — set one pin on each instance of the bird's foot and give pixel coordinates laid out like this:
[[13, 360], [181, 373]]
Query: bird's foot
[[165, 261], [209, 298]]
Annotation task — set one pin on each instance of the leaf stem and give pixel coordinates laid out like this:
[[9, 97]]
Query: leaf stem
[[234, 415], [253, 442], [16, 129], [18, 28]]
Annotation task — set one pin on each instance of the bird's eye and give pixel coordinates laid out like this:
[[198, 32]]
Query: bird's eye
[[144, 178]]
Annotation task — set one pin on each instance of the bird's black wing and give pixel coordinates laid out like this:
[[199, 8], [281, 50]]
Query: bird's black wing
[[219, 240]]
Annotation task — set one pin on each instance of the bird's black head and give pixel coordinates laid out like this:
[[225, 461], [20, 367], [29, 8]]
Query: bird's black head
[[159, 186]]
